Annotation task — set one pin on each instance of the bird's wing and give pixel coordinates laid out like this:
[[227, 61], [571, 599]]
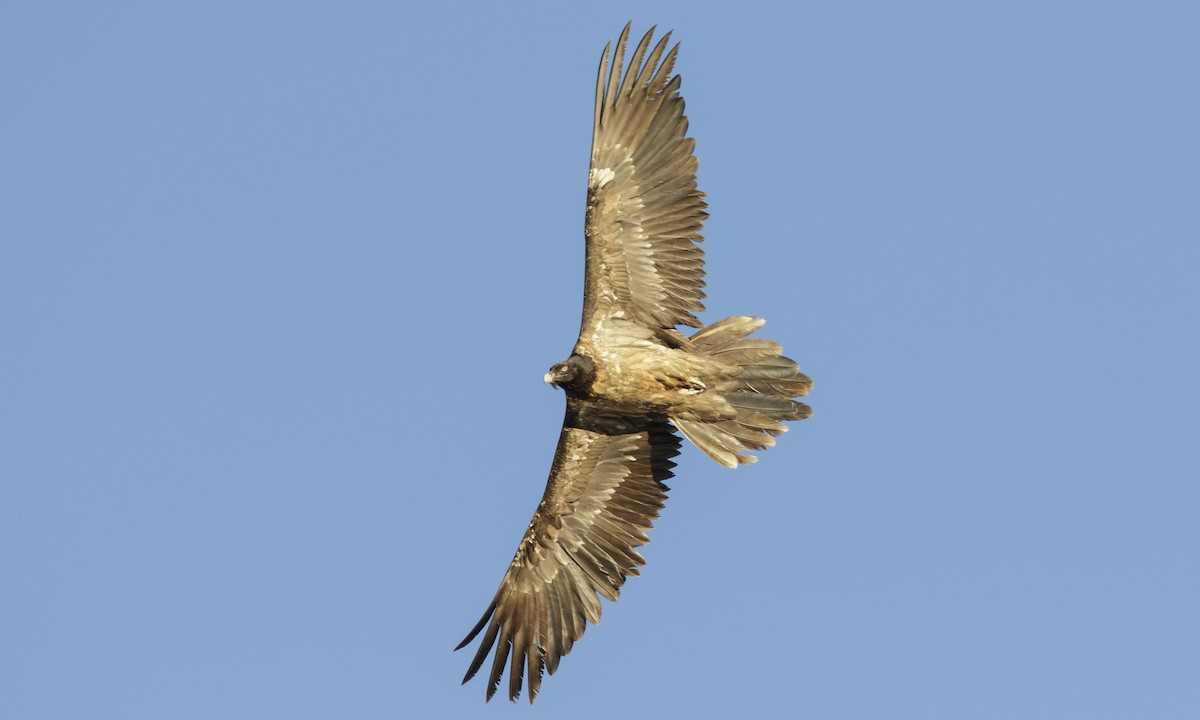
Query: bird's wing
[[644, 213], [605, 489]]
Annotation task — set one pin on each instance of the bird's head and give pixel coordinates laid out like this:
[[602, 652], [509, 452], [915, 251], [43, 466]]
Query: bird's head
[[573, 374]]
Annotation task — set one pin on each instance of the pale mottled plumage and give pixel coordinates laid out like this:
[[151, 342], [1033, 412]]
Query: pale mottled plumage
[[632, 378]]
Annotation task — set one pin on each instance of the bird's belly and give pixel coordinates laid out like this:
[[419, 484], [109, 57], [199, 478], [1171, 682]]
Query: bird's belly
[[656, 380]]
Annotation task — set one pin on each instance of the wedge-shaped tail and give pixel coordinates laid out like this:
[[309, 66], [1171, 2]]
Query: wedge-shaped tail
[[761, 393]]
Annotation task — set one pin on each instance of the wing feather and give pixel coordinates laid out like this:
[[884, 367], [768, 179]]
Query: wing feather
[[604, 492], [644, 212]]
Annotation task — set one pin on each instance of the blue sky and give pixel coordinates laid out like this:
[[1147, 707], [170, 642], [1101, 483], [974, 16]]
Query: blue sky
[[279, 282]]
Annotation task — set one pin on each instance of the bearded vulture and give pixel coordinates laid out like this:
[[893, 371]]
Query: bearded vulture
[[633, 379]]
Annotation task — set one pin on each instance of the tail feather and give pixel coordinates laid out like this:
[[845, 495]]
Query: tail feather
[[761, 392], [724, 441], [774, 407], [723, 332], [776, 367]]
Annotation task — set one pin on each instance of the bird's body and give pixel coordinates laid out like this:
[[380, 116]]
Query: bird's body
[[633, 378]]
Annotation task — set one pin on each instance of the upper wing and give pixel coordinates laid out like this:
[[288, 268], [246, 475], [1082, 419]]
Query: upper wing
[[644, 212], [604, 491]]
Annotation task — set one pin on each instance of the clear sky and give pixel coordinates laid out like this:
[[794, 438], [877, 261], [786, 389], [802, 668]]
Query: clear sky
[[279, 282]]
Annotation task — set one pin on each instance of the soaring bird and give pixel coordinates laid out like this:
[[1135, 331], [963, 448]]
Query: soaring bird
[[633, 379]]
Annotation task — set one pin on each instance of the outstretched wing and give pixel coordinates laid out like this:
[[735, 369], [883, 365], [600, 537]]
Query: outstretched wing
[[644, 213], [605, 489]]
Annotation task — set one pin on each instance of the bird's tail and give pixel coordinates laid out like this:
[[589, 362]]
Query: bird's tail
[[761, 393]]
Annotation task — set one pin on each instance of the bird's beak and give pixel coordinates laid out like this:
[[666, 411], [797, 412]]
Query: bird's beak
[[547, 379]]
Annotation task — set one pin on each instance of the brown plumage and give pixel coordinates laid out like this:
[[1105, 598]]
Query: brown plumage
[[632, 379]]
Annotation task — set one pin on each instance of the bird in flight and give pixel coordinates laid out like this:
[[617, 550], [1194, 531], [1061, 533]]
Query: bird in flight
[[633, 379]]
